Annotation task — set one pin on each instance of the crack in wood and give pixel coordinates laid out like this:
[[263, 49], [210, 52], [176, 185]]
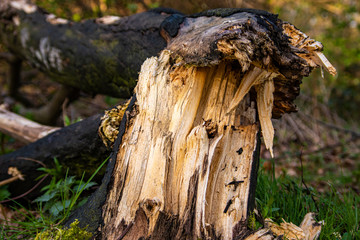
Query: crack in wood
[[227, 206]]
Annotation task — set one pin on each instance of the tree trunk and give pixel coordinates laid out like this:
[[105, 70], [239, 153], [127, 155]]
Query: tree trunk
[[187, 164], [185, 169]]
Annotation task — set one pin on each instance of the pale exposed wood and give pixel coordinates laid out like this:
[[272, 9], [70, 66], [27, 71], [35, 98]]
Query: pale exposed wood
[[265, 101], [181, 170], [321, 60], [288, 230], [309, 228], [262, 234], [187, 163], [21, 128], [253, 77], [313, 48]]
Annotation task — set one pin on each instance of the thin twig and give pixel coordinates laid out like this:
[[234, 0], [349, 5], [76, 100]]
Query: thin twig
[[26, 193], [32, 160], [303, 182], [34, 187], [9, 180]]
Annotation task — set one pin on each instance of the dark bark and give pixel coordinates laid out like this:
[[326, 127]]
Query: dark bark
[[246, 42], [77, 146], [90, 214], [14, 79], [98, 56]]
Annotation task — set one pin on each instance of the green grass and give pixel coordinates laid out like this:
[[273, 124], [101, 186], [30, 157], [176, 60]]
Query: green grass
[[286, 198], [60, 197], [276, 198]]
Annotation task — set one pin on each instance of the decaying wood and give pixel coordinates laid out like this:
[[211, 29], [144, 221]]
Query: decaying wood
[[101, 55], [309, 228], [22, 128], [110, 123], [186, 168], [182, 170], [187, 157], [313, 54], [77, 147], [274, 76]]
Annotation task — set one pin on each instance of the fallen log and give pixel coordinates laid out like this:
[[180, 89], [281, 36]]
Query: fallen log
[[80, 147], [101, 55], [77, 147]]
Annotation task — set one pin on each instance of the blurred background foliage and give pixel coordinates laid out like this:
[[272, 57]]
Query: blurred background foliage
[[335, 23]]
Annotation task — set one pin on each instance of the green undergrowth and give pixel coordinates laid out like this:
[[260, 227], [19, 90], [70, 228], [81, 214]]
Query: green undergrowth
[[287, 198], [276, 198], [60, 197]]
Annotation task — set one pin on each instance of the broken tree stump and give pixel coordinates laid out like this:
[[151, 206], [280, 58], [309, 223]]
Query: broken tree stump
[[187, 164]]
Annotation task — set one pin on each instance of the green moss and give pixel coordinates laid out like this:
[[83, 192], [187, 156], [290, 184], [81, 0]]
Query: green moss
[[72, 233], [252, 221], [104, 44], [76, 168]]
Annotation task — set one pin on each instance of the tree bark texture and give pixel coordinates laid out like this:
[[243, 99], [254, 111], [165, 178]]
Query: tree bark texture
[[98, 56]]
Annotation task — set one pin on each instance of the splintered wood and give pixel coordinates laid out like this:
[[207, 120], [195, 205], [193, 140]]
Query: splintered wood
[[309, 229], [183, 149], [262, 78], [263, 82], [187, 166], [313, 54]]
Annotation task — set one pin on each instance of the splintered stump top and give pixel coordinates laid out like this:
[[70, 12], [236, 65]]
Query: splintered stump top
[[187, 164], [273, 56]]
